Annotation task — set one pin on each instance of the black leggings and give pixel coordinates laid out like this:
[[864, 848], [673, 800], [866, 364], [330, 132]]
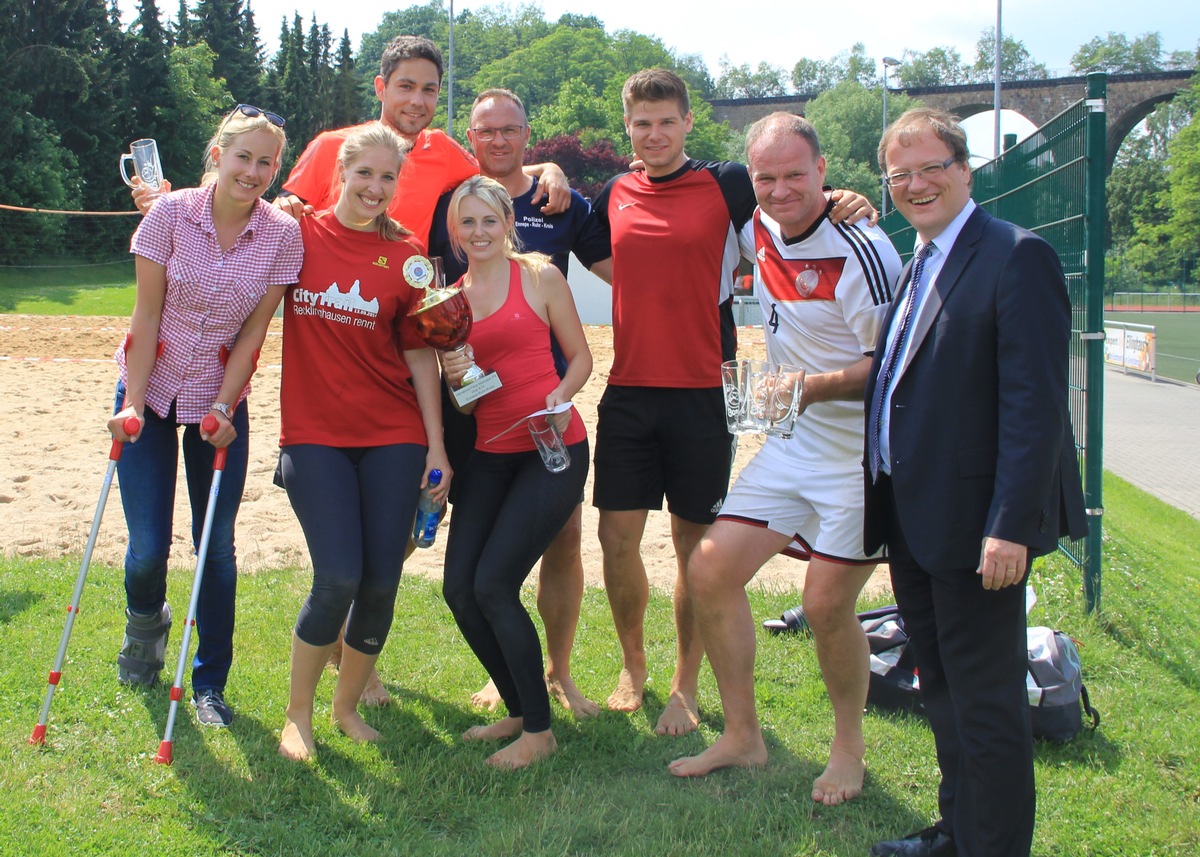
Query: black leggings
[[356, 507], [508, 511]]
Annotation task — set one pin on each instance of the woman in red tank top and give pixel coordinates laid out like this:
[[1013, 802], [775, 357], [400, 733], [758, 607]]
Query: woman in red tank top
[[510, 506]]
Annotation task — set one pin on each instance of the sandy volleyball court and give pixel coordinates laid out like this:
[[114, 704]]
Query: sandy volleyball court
[[58, 375]]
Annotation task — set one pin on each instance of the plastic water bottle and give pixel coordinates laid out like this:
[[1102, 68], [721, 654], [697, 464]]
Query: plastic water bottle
[[429, 512]]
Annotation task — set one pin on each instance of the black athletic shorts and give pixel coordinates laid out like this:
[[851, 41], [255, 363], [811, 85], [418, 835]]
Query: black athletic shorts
[[656, 441]]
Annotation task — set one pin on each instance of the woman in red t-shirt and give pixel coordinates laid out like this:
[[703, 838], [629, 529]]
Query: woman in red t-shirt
[[509, 506], [361, 428]]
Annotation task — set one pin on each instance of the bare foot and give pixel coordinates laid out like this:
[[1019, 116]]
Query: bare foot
[[297, 741], [725, 752], [497, 731], [628, 695], [841, 780], [569, 697], [354, 727], [487, 697], [375, 693], [523, 752], [680, 717]]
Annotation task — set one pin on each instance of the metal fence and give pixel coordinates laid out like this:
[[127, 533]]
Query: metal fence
[[1154, 302], [1053, 184]]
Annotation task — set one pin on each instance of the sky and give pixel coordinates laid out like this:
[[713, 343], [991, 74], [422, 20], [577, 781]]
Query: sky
[[780, 32]]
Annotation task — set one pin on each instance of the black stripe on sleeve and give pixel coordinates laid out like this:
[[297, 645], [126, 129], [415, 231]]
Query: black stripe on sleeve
[[868, 259]]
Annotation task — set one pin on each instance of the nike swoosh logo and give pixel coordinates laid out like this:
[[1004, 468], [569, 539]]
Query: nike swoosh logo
[[625, 205]]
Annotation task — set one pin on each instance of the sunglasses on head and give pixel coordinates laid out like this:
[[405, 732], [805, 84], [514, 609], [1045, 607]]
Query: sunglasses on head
[[249, 110]]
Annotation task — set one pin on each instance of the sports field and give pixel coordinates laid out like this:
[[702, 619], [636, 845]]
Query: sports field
[[1177, 337]]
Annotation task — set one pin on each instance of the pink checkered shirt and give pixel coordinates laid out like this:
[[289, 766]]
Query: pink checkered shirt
[[210, 293]]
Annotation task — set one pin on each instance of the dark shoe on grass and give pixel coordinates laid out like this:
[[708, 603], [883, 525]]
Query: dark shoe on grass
[[211, 709], [930, 842]]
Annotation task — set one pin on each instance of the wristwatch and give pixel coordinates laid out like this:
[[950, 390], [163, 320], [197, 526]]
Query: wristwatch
[[224, 409]]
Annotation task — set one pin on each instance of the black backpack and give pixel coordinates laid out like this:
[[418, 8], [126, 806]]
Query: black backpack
[[894, 683], [1057, 696]]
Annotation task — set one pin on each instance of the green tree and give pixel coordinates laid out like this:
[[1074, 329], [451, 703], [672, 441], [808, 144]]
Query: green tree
[[1116, 54], [199, 100], [224, 26], [318, 47], [571, 79], [1183, 163], [1016, 63], [69, 57], [578, 111], [536, 71], [148, 66], [813, 76], [1154, 197], [290, 82], [1135, 190], [1183, 60], [1137, 185], [346, 99], [935, 67], [693, 69], [180, 30], [741, 81], [848, 119]]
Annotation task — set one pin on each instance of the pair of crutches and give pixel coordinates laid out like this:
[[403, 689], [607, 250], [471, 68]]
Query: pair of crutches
[[164, 756]]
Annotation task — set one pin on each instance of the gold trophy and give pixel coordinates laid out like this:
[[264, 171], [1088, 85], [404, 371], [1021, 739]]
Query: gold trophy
[[443, 321]]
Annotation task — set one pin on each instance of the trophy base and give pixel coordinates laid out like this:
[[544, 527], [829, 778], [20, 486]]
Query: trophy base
[[463, 396]]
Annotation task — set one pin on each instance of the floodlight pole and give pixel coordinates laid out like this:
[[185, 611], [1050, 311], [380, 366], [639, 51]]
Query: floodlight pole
[[450, 78], [996, 85], [888, 62]]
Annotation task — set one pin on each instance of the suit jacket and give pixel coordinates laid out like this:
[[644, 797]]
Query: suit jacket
[[981, 433]]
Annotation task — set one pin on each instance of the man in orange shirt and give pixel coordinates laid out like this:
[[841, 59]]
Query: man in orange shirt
[[408, 85]]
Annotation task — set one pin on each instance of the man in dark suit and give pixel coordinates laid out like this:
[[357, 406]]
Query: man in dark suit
[[970, 474]]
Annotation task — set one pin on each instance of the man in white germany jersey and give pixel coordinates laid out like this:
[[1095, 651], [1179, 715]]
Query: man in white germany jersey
[[823, 289]]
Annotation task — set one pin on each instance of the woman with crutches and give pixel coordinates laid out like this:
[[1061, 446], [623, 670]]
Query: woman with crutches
[[211, 263], [361, 427]]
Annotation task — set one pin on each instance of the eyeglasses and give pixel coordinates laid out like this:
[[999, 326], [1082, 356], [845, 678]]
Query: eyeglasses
[[508, 132], [251, 111], [928, 173]]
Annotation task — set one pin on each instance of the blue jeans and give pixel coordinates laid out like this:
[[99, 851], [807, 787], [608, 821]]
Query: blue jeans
[[147, 471]]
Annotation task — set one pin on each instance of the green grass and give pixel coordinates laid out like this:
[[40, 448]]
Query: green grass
[[80, 290], [1177, 340], [1130, 789]]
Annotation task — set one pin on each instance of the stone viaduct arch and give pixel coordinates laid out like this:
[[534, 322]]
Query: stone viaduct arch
[[1131, 97]]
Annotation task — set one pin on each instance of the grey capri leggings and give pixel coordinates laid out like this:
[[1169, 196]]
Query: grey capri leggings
[[356, 507]]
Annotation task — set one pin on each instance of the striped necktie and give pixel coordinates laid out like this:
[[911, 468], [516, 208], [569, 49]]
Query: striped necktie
[[892, 358]]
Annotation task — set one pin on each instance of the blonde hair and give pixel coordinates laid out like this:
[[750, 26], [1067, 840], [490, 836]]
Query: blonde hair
[[492, 194], [232, 126], [376, 135]]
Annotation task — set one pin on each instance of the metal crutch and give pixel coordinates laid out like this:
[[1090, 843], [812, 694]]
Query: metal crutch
[[164, 755], [131, 426]]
